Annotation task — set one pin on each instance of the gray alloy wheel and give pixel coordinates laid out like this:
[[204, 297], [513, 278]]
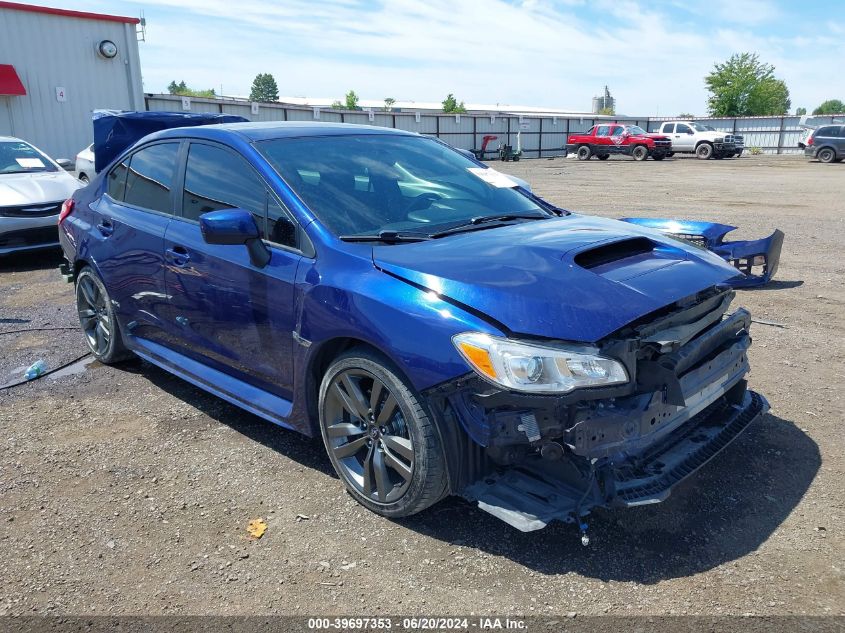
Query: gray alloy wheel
[[379, 437], [704, 151], [640, 152], [96, 317], [826, 155], [83, 178], [584, 152]]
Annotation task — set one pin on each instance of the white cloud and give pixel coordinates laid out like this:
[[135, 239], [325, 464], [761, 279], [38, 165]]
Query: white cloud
[[532, 52]]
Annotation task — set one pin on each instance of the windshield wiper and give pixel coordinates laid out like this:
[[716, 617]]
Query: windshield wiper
[[389, 237], [480, 222]]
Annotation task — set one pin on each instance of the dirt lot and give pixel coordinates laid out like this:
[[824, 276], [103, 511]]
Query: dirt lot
[[124, 490]]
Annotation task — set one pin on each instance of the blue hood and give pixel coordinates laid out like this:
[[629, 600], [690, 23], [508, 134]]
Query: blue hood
[[574, 278]]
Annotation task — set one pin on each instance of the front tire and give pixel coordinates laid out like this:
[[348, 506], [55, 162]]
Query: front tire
[[826, 155], [640, 153], [704, 151], [380, 437], [584, 152], [96, 317], [603, 156]]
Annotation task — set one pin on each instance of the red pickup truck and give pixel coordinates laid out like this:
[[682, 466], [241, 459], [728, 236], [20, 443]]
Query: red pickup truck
[[615, 138]]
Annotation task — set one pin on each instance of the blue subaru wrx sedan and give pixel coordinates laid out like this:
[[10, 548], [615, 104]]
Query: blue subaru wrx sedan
[[443, 329]]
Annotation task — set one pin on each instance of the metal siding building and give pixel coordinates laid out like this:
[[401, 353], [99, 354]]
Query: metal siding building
[[53, 50]]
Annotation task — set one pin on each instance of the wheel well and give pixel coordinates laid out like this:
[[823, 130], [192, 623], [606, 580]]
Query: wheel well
[[78, 265], [702, 143], [320, 362]]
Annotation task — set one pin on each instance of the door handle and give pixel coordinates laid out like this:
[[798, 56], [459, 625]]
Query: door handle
[[105, 227], [178, 255]]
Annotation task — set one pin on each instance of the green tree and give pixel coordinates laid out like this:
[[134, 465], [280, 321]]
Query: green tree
[[607, 111], [351, 100], [745, 86], [388, 103], [264, 88], [686, 115], [831, 106], [337, 105], [800, 111], [175, 89], [452, 106], [182, 89]]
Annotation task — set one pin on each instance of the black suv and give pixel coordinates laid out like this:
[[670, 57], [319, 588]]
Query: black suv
[[826, 143]]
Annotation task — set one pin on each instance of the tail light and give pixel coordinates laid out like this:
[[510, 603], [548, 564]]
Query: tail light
[[810, 140], [67, 209]]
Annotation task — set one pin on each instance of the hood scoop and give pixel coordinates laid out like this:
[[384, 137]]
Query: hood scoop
[[614, 252]]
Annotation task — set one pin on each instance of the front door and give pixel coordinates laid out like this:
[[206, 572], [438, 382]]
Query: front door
[[683, 140], [224, 311]]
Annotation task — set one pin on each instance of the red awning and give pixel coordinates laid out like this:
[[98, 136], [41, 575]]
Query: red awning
[[10, 83]]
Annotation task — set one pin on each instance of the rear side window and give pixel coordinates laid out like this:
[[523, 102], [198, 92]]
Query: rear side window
[[218, 179], [117, 181], [668, 128], [827, 131], [150, 177]]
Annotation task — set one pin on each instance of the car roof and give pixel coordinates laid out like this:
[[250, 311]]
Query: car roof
[[264, 131], [6, 139]]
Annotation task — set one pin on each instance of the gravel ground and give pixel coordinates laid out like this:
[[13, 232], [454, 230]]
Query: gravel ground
[[124, 490]]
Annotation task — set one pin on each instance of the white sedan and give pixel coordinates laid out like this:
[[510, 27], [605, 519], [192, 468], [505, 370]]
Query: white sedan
[[32, 189], [85, 164]]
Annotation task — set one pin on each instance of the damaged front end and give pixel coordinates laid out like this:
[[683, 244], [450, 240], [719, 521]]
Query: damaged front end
[[554, 457], [757, 260]]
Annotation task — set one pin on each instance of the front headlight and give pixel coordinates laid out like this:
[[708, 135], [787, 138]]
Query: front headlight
[[528, 367], [720, 139]]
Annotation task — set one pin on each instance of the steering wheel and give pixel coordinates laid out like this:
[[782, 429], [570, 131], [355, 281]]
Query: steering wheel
[[417, 202]]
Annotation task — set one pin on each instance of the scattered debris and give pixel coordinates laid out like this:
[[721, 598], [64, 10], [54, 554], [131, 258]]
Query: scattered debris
[[35, 370], [772, 323], [302, 517], [256, 528]]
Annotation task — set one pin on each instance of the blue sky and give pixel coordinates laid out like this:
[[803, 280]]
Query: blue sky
[[653, 54]]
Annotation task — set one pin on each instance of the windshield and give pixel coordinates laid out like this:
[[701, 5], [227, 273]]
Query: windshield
[[634, 129], [703, 128], [369, 183], [17, 157]]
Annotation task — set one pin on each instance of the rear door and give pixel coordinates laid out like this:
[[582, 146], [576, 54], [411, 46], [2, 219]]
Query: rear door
[[224, 311], [128, 236]]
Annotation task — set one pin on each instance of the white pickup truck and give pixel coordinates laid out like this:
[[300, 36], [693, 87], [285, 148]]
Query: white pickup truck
[[702, 140]]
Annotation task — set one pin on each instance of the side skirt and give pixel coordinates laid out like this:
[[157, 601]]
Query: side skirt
[[266, 405]]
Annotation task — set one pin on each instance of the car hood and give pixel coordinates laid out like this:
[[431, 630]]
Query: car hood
[[573, 278], [19, 189]]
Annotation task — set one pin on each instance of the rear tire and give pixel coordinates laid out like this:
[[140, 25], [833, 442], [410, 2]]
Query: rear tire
[[584, 152], [603, 156], [704, 151], [826, 155], [96, 317], [640, 153], [380, 438], [659, 156]]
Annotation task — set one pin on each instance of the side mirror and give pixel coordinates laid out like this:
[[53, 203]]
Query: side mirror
[[690, 132], [65, 164], [235, 227]]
